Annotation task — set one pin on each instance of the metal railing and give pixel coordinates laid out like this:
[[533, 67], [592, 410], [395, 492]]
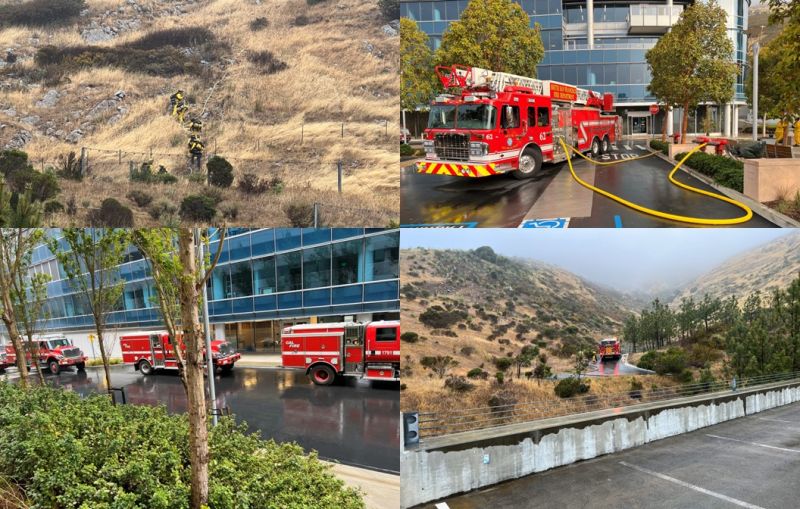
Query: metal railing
[[444, 423]]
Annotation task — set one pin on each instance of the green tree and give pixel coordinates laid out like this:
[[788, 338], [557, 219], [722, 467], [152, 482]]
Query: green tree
[[495, 35], [90, 258], [692, 63], [542, 370], [785, 49], [417, 80], [631, 331], [19, 210], [439, 364], [582, 359]]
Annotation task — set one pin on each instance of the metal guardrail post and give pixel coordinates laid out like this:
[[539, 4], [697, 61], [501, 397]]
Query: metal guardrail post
[[113, 390], [84, 160], [339, 170]]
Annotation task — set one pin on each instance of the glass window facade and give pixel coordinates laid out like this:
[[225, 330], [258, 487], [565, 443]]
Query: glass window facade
[[567, 57], [262, 275]]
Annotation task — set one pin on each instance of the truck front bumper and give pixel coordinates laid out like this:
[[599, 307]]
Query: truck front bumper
[[462, 169], [224, 361], [71, 361]]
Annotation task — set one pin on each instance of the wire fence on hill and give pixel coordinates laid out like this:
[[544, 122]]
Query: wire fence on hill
[[433, 424]]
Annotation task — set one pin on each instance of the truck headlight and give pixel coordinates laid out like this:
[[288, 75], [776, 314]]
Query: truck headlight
[[478, 148], [428, 146]]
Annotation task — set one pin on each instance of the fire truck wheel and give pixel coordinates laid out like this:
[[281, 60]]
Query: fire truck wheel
[[595, 147], [604, 148], [227, 368], [54, 367], [529, 163], [81, 366], [145, 367], [322, 375]]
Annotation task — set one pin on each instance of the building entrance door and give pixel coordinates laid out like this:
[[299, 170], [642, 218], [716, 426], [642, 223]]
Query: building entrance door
[[638, 123]]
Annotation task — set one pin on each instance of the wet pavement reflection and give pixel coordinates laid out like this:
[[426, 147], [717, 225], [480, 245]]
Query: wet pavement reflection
[[355, 423]]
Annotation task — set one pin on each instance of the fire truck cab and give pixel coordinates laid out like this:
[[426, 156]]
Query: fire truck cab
[[327, 351], [55, 351], [149, 351], [609, 349], [501, 122]]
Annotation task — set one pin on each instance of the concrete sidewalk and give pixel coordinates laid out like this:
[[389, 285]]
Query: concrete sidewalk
[[260, 360], [381, 490]]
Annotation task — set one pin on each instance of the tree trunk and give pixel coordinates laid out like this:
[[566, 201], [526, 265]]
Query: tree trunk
[[192, 334], [16, 340], [34, 349], [684, 122], [101, 343]]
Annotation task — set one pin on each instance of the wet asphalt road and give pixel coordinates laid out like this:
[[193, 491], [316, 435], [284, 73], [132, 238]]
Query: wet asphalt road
[[356, 423], [615, 368], [503, 201], [748, 462]]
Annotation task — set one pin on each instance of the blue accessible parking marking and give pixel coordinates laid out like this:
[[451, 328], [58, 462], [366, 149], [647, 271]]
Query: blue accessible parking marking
[[441, 225], [557, 222]]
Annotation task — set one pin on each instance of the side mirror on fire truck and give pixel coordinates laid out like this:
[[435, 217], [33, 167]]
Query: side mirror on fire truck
[[410, 428]]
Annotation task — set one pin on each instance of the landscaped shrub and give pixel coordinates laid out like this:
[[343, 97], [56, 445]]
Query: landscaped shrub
[[198, 208], [140, 198], [220, 172], [111, 214], [724, 170], [568, 387], [661, 146], [266, 62], [68, 451], [41, 12], [406, 150]]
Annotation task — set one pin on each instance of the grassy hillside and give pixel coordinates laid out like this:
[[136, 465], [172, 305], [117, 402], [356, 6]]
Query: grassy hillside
[[773, 265], [262, 73]]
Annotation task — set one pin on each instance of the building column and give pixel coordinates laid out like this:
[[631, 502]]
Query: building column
[[219, 330], [735, 121], [669, 121], [590, 23], [669, 13], [726, 125]]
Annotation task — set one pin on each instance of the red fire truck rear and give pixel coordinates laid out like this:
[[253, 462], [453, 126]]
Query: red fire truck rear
[[4, 360], [370, 351], [56, 351], [502, 123], [609, 349], [149, 351]]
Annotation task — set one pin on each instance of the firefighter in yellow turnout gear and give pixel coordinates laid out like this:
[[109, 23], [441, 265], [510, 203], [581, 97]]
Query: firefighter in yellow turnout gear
[[797, 132], [179, 107], [779, 130], [196, 149], [195, 125]]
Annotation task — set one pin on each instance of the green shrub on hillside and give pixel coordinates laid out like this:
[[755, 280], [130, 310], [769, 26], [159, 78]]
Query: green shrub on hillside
[[67, 451], [41, 12], [671, 362], [438, 318], [568, 387]]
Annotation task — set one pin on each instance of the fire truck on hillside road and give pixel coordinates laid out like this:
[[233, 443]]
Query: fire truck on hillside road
[[326, 351], [502, 122], [609, 349]]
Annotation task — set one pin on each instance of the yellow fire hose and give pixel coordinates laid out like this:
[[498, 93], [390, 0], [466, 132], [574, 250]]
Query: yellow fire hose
[[657, 213]]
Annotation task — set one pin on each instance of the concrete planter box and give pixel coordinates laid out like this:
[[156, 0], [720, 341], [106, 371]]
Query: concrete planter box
[[677, 148], [766, 179]]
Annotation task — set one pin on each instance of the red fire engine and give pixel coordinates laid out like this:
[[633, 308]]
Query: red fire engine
[[502, 122], [609, 349], [149, 351], [370, 351], [4, 361], [56, 351]]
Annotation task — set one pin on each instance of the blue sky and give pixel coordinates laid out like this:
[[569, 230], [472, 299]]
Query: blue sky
[[625, 259]]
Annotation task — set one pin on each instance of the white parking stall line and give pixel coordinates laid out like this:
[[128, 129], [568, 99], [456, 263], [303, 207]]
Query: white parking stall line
[[698, 489], [627, 147], [442, 505], [778, 420], [785, 449], [640, 147]]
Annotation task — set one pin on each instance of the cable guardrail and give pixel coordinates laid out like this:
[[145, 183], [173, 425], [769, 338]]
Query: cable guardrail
[[470, 419]]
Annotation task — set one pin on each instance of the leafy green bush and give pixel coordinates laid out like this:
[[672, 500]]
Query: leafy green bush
[[12, 160], [145, 174], [409, 337], [70, 167], [220, 172], [660, 146], [648, 360], [111, 214], [406, 150], [41, 12], [437, 317], [724, 170], [458, 384], [568, 387], [198, 208], [162, 210], [66, 451], [140, 198], [673, 361], [502, 363], [259, 24], [477, 373]]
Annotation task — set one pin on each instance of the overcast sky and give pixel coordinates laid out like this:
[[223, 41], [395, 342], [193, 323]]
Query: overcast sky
[[625, 259]]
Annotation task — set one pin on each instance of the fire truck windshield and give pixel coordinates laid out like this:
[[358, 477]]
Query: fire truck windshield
[[464, 116], [55, 343]]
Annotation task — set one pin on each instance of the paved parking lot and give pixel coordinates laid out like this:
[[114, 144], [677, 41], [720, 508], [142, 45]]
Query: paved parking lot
[[752, 462]]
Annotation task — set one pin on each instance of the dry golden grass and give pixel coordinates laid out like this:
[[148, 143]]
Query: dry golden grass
[[330, 80]]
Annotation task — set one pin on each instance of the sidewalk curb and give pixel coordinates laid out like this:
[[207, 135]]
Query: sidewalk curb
[[771, 215]]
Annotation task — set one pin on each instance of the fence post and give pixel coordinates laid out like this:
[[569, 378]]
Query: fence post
[[120, 156], [151, 152], [339, 170], [342, 129], [302, 131], [130, 168], [215, 146], [84, 160], [386, 124], [316, 215]]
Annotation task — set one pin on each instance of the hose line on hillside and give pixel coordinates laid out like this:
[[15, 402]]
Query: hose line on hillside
[[657, 213]]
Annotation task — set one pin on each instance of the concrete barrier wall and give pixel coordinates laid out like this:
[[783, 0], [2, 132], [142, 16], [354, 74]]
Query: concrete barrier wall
[[443, 466]]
